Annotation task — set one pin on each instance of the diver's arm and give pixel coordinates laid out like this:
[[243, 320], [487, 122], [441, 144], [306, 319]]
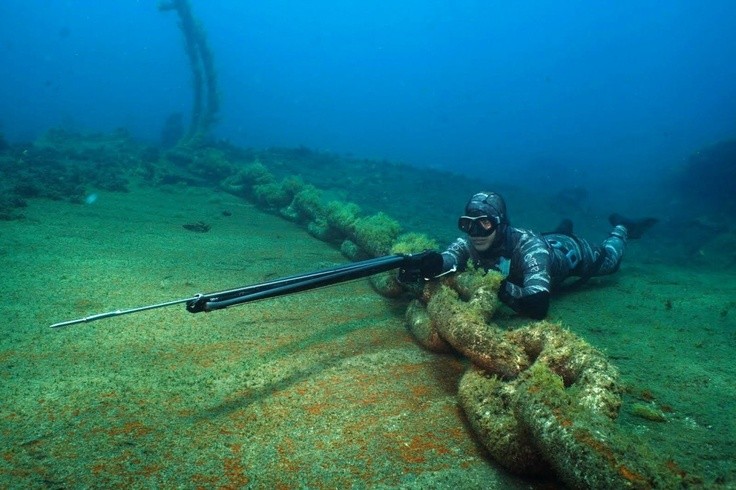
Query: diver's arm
[[456, 256], [532, 297]]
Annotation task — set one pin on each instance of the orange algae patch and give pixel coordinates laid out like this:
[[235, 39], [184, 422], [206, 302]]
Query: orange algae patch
[[286, 451], [136, 429], [600, 448], [633, 477], [317, 408], [204, 481], [209, 355], [561, 418], [420, 391], [675, 468], [233, 468], [118, 471], [7, 354], [421, 448], [151, 469], [609, 456]]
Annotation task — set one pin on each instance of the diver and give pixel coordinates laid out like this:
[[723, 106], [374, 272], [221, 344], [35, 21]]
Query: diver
[[534, 264]]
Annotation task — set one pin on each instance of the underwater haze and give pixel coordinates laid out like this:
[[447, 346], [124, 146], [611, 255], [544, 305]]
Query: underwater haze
[[152, 152], [539, 93]]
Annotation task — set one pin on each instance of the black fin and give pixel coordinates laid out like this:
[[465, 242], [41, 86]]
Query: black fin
[[634, 227], [564, 228]]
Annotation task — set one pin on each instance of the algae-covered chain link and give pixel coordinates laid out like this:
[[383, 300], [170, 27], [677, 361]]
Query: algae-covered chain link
[[539, 396]]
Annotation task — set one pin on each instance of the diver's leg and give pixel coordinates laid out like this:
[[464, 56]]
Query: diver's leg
[[612, 251]]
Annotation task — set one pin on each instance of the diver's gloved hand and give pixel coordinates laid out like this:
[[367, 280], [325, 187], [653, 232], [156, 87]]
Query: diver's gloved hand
[[425, 265], [534, 305]]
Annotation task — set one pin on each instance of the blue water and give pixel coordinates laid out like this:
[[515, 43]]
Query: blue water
[[571, 109], [550, 94]]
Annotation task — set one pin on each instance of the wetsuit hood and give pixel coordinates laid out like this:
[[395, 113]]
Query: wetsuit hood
[[488, 204]]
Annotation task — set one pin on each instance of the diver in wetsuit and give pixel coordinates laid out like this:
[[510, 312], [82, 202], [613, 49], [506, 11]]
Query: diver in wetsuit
[[535, 264]]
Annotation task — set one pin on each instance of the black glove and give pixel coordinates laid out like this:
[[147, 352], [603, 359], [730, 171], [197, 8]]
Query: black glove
[[534, 305], [504, 295], [425, 265]]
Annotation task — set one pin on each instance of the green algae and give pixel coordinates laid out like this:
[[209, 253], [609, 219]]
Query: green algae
[[376, 233], [631, 329], [647, 412]]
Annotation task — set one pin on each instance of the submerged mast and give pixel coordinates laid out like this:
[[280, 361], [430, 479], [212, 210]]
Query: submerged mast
[[206, 102]]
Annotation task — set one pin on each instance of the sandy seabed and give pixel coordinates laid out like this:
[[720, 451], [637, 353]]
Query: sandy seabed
[[323, 389]]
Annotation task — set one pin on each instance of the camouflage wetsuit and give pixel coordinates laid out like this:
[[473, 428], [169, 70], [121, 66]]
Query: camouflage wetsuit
[[538, 263]]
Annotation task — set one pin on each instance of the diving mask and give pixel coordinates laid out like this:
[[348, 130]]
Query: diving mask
[[477, 226]]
